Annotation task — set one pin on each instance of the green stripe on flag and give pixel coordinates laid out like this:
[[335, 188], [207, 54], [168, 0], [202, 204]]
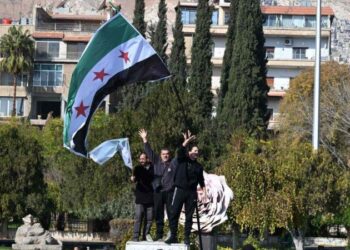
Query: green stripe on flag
[[107, 38]]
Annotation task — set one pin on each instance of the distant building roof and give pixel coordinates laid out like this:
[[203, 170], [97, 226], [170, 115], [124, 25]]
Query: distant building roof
[[295, 10]]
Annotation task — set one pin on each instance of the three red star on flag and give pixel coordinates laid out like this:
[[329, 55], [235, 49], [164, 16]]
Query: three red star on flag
[[81, 109], [100, 75], [124, 55]]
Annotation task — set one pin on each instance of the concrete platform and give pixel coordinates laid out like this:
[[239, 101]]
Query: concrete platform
[[145, 245], [36, 247]]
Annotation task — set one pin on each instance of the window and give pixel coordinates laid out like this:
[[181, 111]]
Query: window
[[299, 53], [215, 17], [270, 81], [271, 20], [227, 17], [188, 15], [270, 52], [324, 22], [75, 50], [6, 106], [6, 79], [310, 21], [48, 75], [298, 21], [47, 49], [287, 21]]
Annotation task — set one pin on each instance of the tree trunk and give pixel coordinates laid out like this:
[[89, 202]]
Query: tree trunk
[[298, 238], [3, 229], [14, 95], [235, 236]]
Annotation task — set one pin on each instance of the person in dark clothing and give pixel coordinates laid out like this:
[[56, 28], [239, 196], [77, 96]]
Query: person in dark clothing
[[143, 176], [163, 182], [188, 174]]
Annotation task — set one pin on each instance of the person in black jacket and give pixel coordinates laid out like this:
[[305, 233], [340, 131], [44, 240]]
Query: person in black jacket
[[143, 176], [163, 182], [188, 174]]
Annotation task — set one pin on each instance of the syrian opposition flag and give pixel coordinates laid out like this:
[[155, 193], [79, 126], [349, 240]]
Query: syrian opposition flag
[[116, 55]]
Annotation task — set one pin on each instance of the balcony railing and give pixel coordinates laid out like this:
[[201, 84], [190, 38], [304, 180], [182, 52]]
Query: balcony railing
[[56, 57], [71, 27]]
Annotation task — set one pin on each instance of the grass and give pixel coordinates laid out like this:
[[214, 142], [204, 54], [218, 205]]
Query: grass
[[4, 248]]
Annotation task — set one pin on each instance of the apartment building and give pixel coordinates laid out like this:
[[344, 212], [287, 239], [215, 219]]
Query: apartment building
[[60, 38], [289, 41], [6, 85]]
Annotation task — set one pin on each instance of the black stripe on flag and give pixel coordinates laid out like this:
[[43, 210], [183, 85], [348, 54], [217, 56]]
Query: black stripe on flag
[[149, 69]]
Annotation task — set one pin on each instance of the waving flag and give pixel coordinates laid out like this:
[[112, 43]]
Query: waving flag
[[116, 55], [212, 211]]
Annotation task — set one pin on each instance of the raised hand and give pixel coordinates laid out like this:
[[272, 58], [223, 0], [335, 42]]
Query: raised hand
[[143, 134], [188, 138]]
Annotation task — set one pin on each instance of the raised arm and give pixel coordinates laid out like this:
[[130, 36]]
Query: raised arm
[[181, 152], [147, 147]]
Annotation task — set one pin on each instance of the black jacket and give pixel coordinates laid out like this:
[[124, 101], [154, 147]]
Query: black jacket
[[163, 171], [143, 179], [188, 173]]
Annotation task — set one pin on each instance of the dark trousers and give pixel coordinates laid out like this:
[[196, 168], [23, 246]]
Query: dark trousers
[[189, 199], [162, 200], [143, 212]]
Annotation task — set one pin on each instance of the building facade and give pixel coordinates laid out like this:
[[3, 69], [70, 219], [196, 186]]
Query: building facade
[[61, 37], [289, 41]]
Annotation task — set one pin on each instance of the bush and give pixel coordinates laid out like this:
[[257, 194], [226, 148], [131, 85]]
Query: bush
[[121, 231]]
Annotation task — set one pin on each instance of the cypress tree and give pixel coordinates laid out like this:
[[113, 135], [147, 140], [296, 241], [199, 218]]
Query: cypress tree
[[177, 60], [139, 17], [245, 104], [131, 95], [201, 66], [227, 60], [160, 36]]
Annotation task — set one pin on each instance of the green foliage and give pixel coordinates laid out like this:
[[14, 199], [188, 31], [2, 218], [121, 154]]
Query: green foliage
[[252, 241], [279, 184], [121, 231], [160, 36], [201, 67], [245, 103], [82, 187], [227, 60], [22, 169], [177, 61], [17, 49], [139, 17]]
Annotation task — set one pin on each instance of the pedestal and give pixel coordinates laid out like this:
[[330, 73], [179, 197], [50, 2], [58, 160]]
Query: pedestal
[[36, 247], [208, 241], [144, 245]]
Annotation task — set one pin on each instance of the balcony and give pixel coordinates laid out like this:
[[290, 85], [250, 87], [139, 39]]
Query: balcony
[[71, 27], [290, 63], [214, 29], [294, 32]]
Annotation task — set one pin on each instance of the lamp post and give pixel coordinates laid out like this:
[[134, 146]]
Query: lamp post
[[316, 114]]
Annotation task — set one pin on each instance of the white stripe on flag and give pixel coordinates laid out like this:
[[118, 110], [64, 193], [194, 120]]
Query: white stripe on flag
[[107, 149]]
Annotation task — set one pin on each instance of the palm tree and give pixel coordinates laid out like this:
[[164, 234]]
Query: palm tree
[[17, 50]]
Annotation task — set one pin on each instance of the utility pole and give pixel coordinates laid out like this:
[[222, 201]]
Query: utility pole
[[316, 117]]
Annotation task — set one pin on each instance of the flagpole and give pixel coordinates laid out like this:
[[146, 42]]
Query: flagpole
[[316, 114], [199, 227]]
